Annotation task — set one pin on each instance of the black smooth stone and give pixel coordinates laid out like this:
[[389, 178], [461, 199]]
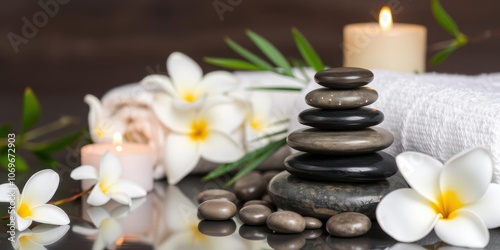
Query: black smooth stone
[[323, 199], [356, 168], [349, 119], [344, 77]]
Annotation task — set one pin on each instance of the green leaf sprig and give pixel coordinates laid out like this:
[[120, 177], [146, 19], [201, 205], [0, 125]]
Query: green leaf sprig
[[27, 136], [450, 26]]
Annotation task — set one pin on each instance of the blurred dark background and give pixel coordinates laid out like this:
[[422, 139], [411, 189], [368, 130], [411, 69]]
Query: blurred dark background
[[91, 46]]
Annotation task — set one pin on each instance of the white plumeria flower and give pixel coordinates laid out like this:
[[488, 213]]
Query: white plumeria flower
[[203, 133], [109, 185], [100, 126], [39, 236], [457, 200], [31, 204], [187, 86]]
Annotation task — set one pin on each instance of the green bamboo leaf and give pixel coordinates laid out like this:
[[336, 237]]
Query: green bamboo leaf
[[271, 52], [20, 164], [275, 89], [440, 56], [249, 55], [5, 130], [230, 63], [57, 144], [274, 146], [284, 131], [31, 110], [307, 51], [233, 165], [444, 19]]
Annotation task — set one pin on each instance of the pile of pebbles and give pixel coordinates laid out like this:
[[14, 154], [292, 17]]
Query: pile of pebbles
[[251, 204]]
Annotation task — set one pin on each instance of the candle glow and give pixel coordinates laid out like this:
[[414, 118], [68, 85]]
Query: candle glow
[[118, 141], [385, 19]]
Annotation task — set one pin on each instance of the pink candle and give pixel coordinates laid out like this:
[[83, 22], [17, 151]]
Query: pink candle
[[137, 161]]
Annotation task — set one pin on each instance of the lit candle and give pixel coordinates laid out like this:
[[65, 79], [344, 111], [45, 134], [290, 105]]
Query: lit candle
[[384, 45], [137, 160]]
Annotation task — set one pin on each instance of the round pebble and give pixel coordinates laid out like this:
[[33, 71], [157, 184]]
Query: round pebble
[[217, 228], [268, 199], [212, 194], [341, 99], [313, 223], [254, 232], [350, 224], [286, 222], [217, 209], [250, 187], [286, 241], [254, 215], [311, 234], [343, 77], [259, 202]]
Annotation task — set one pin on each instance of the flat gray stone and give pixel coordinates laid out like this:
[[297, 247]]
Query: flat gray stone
[[218, 209], [344, 77], [341, 99], [250, 187], [254, 215], [313, 140], [286, 222], [212, 194], [324, 199], [347, 119]]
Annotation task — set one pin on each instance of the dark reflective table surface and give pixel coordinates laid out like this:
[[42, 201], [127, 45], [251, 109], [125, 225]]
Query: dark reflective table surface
[[167, 219]]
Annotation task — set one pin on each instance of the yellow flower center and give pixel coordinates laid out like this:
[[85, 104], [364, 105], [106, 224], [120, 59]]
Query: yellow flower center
[[199, 131], [104, 188], [23, 241], [197, 235], [191, 96], [99, 132], [24, 210], [448, 202], [256, 124]]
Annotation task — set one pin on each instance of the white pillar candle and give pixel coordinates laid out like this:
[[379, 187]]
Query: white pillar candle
[[384, 45], [137, 161]]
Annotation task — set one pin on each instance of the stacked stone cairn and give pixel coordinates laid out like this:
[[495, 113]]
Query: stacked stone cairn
[[341, 168]]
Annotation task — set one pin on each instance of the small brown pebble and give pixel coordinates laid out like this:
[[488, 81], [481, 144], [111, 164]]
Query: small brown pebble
[[217, 209], [311, 234], [259, 202], [268, 175], [286, 222], [250, 187], [350, 224], [212, 194], [286, 241], [217, 228], [254, 215], [268, 199], [313, 223]]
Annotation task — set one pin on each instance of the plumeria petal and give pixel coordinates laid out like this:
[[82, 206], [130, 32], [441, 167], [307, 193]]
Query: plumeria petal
[[225, 116], [40, 188], [96, 113], [7, 191], [97, 215], [48, 234], [22, 223], [405, 215], [488, 206], [129, 188], [463, 228], [29, 244], [184, 71], [468, 174], [406, 246], [175, 119], [97, 197], [49, 214], [110, 230], [84, 172], [110, 169], [121, 198], [159, 81], [422, 173], [180, 156], [219, 82], [220, 148], [84, 230]]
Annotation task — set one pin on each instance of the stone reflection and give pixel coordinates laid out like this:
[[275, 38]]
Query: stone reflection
[[217, 228]]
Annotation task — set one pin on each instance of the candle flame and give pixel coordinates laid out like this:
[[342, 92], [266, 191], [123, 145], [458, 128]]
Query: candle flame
[[118, 141], [385, 18]]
